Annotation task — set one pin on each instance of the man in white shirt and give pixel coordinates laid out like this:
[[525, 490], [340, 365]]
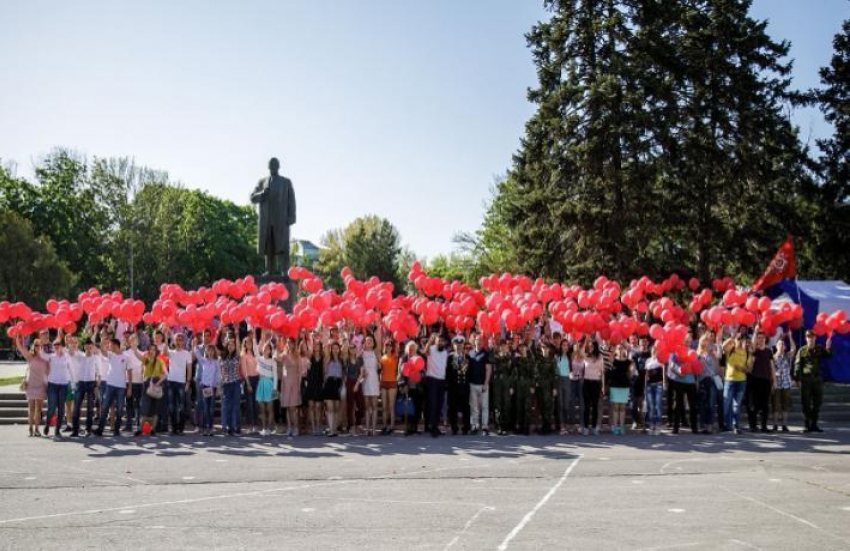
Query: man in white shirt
[[435, 381], [57, 385], [134, 397], [116, 385], [179, 375], [85, 372]]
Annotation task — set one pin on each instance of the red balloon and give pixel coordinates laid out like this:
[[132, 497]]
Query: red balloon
[[418, 363]]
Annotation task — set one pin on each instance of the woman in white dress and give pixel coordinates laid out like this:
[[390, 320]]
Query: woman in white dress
[[368, 379]]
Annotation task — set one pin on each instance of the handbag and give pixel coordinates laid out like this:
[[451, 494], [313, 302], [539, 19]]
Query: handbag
[[207, 391], [154, 391], [404, 407]]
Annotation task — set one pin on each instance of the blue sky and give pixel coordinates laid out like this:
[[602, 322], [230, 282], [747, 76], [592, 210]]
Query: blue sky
[[404, 109]]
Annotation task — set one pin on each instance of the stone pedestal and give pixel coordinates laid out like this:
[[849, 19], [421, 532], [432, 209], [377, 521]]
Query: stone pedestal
[[291, 286]]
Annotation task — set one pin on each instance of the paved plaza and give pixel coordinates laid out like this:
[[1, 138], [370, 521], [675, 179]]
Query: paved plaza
[[634, 492]]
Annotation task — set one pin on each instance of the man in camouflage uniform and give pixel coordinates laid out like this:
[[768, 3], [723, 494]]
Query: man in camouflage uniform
[[807, 372], [546, 381], [525, 379], [502, 386]]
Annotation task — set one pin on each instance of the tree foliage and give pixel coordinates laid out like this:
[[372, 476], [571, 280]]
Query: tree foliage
[[831, 230], [370, 246], [660, 143], [94, 213], [30, 270]]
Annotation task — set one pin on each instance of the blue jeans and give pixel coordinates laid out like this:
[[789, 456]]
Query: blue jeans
[[230, 402], [205, 408], [654, 393], [113, 394], [176, 394], [55, 402], [84, 389], [733, 394], [251, 400], [707, 402]]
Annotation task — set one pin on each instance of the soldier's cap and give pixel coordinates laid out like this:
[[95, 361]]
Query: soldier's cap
[[458, 340]]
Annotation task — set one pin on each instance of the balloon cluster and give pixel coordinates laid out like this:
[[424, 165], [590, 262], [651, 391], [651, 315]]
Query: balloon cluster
[[660, 309]]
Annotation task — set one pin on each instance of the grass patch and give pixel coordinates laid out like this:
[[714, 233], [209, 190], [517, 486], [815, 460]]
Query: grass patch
[[5, 381]]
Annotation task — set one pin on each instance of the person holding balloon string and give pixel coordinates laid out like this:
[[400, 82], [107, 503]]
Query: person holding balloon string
[[783, 361], [389, 384], [267, 382], [680, 374], [208, 380], [807, 373], [352, 402], [227, 346], [34, 384], [739, 362], [760, 383], [594, 383], [367, 381], [411, 368], [154, 373], [654, 384], [710, 383], [333, 381], [618, 378]]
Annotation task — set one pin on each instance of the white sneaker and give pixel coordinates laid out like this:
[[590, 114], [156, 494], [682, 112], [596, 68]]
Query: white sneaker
[[295, 432], [595, 432], [634, 426], [585, 432]]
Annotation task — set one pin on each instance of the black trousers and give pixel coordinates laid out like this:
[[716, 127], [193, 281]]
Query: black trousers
[[680, 392], [590, 391], [459, 405], [758, 401], [415, 396], [435, 388]]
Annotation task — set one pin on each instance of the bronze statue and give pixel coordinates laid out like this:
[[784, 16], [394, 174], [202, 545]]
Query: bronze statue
[[276, 199]]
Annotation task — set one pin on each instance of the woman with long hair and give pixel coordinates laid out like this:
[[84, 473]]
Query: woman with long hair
[[333, 384], [207, 379], [289, 368], [315, 382], [411, 389], [707, 388], [248, 366], [231, 382], [389, 385], [620, 374], [563, 359], [367, 381], [153, 378], [35, 382], [353, 403], [266, 383], [594, 382]]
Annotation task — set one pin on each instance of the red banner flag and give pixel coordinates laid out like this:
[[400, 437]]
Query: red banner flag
[[783, 266]]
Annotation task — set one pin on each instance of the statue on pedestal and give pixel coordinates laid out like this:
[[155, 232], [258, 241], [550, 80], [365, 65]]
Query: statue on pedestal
[[276, 200]]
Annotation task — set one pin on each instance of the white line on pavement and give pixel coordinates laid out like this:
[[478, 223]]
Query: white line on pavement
[[785, 513], [468, 524], [525, 520]]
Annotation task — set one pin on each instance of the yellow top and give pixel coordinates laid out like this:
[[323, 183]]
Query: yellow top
[[737, 358]]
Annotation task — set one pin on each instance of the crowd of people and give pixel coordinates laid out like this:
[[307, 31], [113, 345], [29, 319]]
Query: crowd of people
[[337, 379]]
